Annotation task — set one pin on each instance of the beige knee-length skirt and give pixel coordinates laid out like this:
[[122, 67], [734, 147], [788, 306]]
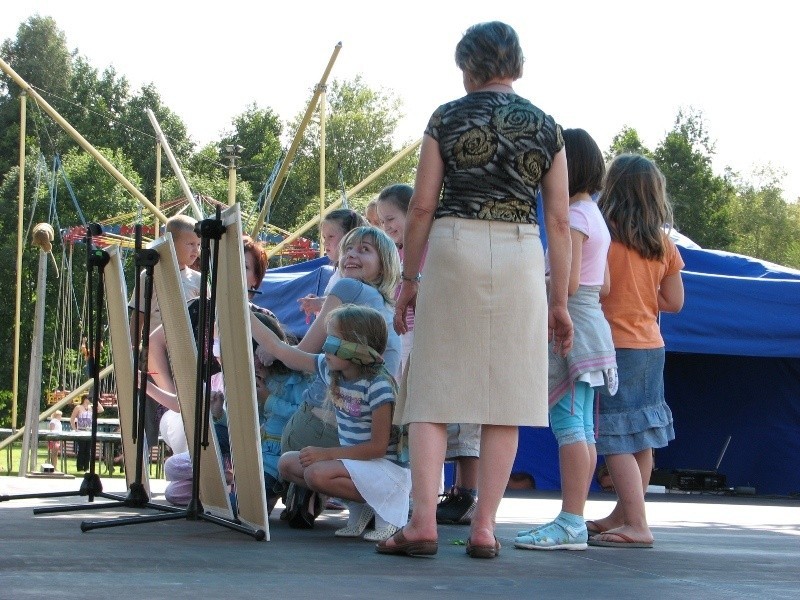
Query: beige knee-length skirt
[[480, 332]]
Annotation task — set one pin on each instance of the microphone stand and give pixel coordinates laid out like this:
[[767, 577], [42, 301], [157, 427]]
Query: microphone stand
[[137, 494]]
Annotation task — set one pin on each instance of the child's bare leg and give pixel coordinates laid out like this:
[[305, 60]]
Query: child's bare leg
[[330, 477], [576, 471], [290, 468], [630, 474]]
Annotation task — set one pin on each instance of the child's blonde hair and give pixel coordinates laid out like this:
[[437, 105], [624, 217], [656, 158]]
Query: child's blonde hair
[[180, 224], [635, 205], [387, 253]]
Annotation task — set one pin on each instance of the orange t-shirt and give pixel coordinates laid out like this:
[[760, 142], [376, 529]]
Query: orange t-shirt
[[631, 306]]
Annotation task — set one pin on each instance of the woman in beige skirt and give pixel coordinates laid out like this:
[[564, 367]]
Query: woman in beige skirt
[[482, 315]]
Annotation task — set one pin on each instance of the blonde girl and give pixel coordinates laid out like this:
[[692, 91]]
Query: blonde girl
[[334, 227]]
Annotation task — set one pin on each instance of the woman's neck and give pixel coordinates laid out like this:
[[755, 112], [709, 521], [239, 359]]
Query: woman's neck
[[497, 85]]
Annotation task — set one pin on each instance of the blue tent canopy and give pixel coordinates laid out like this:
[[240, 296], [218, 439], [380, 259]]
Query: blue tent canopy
[[733, 368]]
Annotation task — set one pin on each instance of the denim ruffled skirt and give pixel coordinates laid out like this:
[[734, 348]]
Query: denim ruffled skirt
[[637, 416]]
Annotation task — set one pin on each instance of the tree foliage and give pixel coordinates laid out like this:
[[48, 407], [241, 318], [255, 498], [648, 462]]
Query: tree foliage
[[360, 123], [699, 198]]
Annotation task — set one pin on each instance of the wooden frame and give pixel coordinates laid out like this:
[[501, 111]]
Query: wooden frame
[[183, 358], [236, 350], [120, 334]]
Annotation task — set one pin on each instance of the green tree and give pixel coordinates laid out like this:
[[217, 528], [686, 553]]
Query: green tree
[[700, 199], [360, 124], [258, 132], [40, 56], [627, 141], [136, 136], [766, 226]]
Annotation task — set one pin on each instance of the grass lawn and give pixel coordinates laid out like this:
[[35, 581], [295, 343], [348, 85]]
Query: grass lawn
[[16, 451]]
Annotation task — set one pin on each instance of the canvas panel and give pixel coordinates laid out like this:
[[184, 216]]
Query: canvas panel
[[120, 334], [183, 358], [237, 366]]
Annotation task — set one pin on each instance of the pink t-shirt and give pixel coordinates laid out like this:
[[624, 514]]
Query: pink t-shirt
[[584, 216]]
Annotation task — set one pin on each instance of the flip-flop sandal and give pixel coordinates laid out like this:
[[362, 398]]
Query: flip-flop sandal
[[404, 547], [491, 551], [627, 542], [593, 528]]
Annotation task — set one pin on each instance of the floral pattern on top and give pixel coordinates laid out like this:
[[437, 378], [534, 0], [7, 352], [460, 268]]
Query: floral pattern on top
[[496, 148]]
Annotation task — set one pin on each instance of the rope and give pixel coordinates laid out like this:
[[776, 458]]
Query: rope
[[57, 160]]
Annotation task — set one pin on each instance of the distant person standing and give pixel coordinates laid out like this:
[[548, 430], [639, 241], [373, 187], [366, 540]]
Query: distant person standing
[[645, 269], [81, 420], [482, 314], [54, 446]]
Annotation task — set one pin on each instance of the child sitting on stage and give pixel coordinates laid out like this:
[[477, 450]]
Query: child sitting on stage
[[364, 470]]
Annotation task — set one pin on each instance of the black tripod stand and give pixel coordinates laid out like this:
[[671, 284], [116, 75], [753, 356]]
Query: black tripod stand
[[96, 259], [137, 494], [207, 230]]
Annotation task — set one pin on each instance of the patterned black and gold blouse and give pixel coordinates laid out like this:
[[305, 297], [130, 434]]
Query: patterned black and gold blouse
[[496, 148]]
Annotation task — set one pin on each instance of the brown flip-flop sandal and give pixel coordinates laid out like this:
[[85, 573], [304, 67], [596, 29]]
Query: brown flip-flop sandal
[[592, 528], [404, 547], [627, 541], [491, 551]]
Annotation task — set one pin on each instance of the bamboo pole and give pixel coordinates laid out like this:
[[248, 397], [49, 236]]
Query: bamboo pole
[[287, 161], [322, 103], [111, 169], [176, 168], [351, 192], [156, 231], [87, 385], [30, 443], [20, 218]]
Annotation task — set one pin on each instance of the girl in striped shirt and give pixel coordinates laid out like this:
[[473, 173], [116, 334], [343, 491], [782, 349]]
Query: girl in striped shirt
[[365, 469]]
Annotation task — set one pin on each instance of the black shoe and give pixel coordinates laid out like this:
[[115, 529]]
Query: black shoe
[[455, 508], [302, 507]]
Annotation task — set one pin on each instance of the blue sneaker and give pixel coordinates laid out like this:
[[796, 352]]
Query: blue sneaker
[[554, 536]]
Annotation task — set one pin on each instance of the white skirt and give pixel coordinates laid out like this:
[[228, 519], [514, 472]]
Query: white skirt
[[384, 485]]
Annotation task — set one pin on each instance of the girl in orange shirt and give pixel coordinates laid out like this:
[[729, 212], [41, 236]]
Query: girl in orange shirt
[[644, 267]]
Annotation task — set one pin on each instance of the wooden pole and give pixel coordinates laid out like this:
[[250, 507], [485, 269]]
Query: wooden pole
[[30, 443], [176, 168], [18, 306], [111, 169], [322, 102], [233, 152], [287, 161], [351, 192], [157, 231]]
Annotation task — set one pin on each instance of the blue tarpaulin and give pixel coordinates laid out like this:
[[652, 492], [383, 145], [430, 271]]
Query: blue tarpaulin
[[733, 368]]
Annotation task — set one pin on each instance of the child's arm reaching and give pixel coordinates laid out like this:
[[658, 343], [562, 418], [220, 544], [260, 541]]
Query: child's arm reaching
[[374, 448], [292, 357]]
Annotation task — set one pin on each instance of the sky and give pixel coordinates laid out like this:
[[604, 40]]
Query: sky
[[599, 66]]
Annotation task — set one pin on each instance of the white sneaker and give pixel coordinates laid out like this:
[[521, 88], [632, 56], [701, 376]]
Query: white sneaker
[[359, 526], [383, 533]]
